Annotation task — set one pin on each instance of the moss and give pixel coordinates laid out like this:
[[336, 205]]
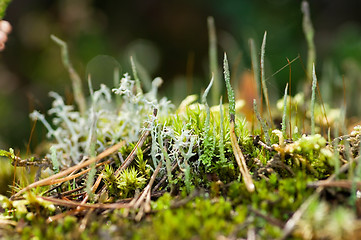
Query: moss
[[202, 190]]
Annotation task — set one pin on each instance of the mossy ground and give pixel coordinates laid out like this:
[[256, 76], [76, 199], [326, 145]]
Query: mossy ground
[[213, 201], [132, 166]]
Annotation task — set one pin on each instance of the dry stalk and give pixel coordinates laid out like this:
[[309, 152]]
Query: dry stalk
[[241, 161], [144, 199], [51, 179], [73, 204]]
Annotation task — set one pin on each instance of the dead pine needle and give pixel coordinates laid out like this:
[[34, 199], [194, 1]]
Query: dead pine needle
[[54, 178], [241, 161]]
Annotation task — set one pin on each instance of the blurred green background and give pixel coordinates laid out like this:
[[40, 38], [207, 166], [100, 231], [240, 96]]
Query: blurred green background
[[169, 39]]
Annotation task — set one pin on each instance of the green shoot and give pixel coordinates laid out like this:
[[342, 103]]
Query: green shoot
[[143, 74], [76, 81], [313, 99], [263, 124], [187, 177], [204, 101], [91, 145], [205, 94], [167, 164], [221, 134], [231, 99], [241, 161], [309, 33], [90, 180], [284, 124], [263, 77], [54, 159], [255, 66], [116, 77], [208, 146], [336, 153], [135, 74], [213, 66]]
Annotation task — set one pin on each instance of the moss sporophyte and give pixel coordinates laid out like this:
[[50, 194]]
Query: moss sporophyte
[[124, 163]]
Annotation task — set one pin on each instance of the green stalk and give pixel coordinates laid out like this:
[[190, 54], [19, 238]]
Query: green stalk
[[240, 159], [263, 124], [207, 146], [231, 99], [91, 148], [284, 111], [76, 81], [54, 160], [313, 99], [143, 74], [116, 78], [221, 134], [263, 78], [309, 34], [255, 65], [135, 74], [213, 66]]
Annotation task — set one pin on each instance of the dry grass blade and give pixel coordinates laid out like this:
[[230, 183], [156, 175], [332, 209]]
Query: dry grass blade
[[133, 153], [71, 176], [72, 204], [348, 184], [145, 196], [50, 180], [7, 222], [241, 161], [270, 219], [61, 215], [93, 189]]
